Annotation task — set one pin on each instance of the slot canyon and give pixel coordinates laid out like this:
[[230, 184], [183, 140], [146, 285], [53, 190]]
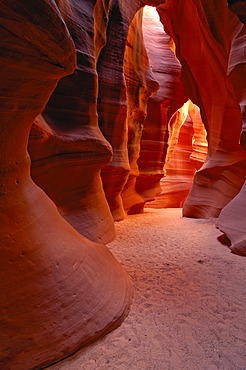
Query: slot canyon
[[120, 118]]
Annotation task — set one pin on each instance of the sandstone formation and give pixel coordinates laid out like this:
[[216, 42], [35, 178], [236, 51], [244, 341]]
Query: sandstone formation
[[140, 85], [112, 103], [203, 48], [239, 8], [187, 150], [232, 222], [67, 148], [160, 107], [96, 100], [59, 291], [232, 218], [112, 108]]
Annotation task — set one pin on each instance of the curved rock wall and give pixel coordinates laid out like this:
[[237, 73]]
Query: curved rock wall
[[66, 146], [112, 101], [140, 85], [187, 150], [231, 220], [160, 107], [203, 48], [59, 291]]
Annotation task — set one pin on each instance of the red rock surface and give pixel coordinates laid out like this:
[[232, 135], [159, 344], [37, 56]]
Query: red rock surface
[[112, 104], [187, 150], [232, 222], [204, 60], [239, 8], [59, 291], [66, 146], [232, 218], [140, 85], [112, 107], [160, 107]]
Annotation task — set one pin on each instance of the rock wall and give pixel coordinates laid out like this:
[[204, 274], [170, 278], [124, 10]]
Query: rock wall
[[59, 291], [112, 99], [203, 48], [66, 146], [187, 150], [231, 220], [160, 107], [81, 77], [140, 85]]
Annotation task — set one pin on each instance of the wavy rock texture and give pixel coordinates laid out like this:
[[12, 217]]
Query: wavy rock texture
[[112, 107], [140, 85], [59, 291], [66, 146], [112, 104], [204, 60], [231, 222], [237, 75], [187, 150], [239, 8], [160, 108], [232, 218]]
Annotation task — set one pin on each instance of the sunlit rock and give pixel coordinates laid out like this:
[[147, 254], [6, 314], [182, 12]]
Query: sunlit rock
[[203, 48], [187, 150], [112, 103], [160, 107], [140, 85]]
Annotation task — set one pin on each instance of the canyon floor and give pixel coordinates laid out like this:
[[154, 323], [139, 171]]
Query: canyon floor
[[189, 310]]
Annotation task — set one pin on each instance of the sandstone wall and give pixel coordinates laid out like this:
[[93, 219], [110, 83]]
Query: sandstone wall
[[66, 145], [232, 218], [203, 48], [59, 291], [187, 151], [97, 93]]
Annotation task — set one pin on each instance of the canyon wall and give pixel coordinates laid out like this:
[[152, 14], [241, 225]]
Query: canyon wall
[[97, 102], [140, 86], [232, 220], [160, 107], [203, 48], [59, 291], [66, 146], [187, 150]]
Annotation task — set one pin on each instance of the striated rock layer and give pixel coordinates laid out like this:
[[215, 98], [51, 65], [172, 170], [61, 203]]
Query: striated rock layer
[[232, 218], [160, 108], [140, 85], [59, 291], [112, 100], [232, 221], [187, 150], [203, 48], [66, 146]]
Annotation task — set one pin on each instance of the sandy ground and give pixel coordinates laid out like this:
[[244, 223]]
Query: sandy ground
[[189, 310]]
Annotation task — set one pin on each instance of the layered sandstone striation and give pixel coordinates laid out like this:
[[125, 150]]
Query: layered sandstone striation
[[112, 99], [59, 291], [112, 105], [232, 222], [140, 85], [66, 145], [160, 108], [99, 97], [187, 150], [203, 48], [232, 218]]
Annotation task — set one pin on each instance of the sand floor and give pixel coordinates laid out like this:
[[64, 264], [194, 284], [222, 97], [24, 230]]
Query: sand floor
[[189, 310]]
